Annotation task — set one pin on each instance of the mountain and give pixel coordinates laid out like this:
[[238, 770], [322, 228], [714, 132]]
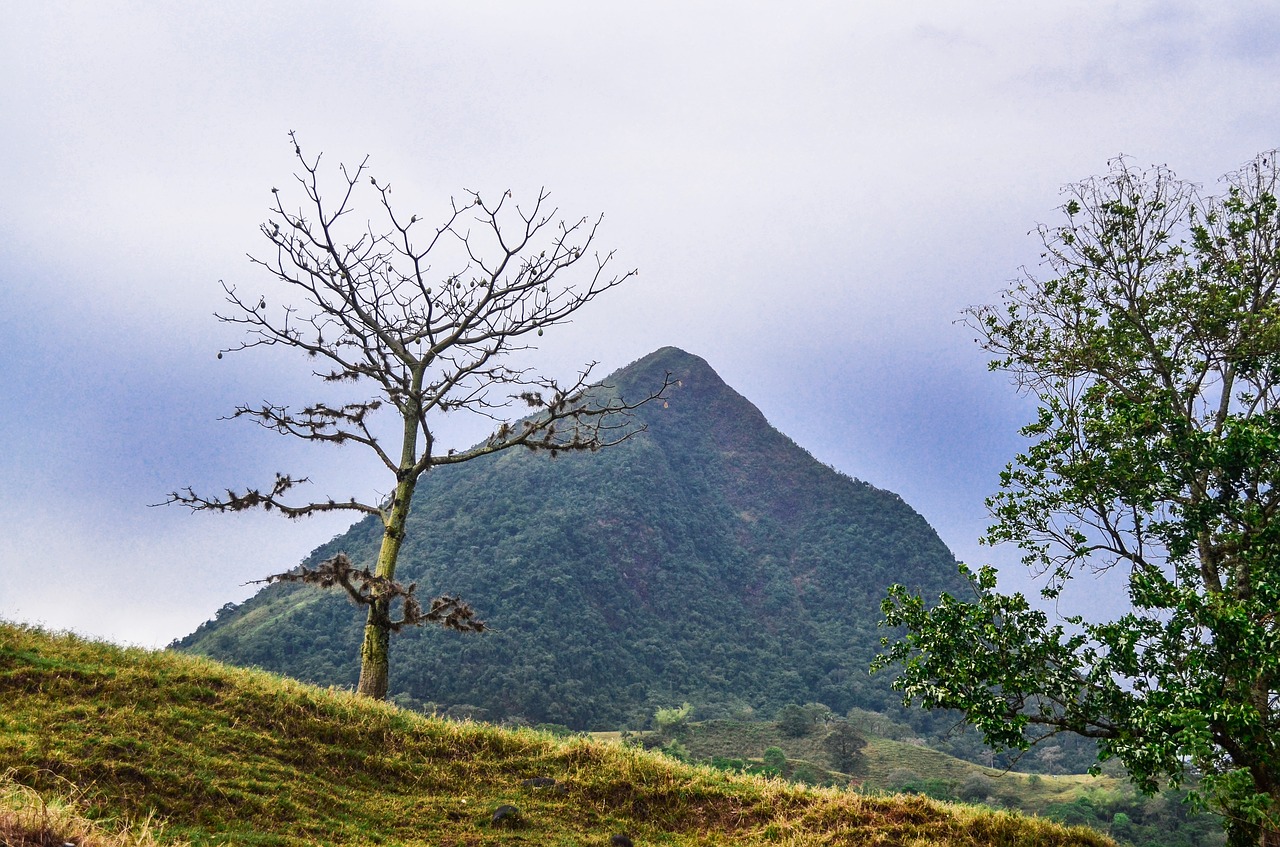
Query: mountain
[[707, 559]]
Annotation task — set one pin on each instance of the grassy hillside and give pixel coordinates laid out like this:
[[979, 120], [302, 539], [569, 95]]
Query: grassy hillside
[[1107, 802], [222, 755], [885, 762]]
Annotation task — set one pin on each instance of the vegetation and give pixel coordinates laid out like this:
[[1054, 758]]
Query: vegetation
[[844, 744], [671, 722], [223, 755], [28, 819], [1106, 802], [370, 310], [708, 559], [1153, 347]]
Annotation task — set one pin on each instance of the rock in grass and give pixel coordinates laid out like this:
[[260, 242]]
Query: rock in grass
[[621, 840], [506, 815]]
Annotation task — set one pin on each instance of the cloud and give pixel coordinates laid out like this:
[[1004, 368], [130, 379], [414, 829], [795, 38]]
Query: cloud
[[129, 576], [811, 194]]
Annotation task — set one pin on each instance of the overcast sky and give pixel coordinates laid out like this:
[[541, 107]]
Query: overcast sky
[[812, 193]]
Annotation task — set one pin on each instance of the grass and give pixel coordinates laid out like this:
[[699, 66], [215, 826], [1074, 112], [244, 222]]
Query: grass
[[886, 760], [1107, 802], [28, 819], [206, 754]]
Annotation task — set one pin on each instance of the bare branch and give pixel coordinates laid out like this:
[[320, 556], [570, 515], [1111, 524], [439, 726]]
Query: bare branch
[[256, 498], [587, 425], [422, 321], [366, 588]]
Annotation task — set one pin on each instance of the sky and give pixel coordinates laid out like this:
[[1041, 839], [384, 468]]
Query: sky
[[812, 194]]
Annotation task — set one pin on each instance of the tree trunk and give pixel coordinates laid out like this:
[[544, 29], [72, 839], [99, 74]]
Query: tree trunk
[[1241, 833], [1269, 836], [1252, 835], [375, 651]]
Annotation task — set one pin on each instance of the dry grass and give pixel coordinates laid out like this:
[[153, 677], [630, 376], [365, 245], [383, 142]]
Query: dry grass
[[224, 755], [28, 819]]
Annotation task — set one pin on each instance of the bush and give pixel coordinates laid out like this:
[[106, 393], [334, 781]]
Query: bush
[[899, 778], [672, 722], [675, 750], [976, 788], [938, 789], [724, 763], [1079, 812], [558, 730], [808, 774], [775, 761]]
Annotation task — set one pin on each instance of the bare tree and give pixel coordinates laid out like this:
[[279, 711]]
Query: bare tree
[[374, 315]]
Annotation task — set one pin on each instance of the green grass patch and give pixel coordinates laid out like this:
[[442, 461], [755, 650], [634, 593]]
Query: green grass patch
[[222, 755], [1107, 802]]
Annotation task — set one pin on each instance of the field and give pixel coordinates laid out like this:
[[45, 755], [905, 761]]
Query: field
[[154, 747], [1107, 802]]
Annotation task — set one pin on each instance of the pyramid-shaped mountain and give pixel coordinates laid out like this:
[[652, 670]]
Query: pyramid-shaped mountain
[[708, 559]]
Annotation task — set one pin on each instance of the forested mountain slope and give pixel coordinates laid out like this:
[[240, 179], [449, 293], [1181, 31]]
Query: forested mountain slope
[[707, 559]]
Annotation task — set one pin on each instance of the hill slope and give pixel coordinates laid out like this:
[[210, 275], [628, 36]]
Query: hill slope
[[707, 559], [222, 755]]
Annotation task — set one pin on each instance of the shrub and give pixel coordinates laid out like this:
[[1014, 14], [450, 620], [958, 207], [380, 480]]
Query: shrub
[[775, 761], [672, 722]]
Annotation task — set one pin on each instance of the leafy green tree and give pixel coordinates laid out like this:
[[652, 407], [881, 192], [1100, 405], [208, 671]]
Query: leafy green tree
[[372, 311], [844, 744], [1121, 825], [793, 720], [817, 713], [1152, 344]]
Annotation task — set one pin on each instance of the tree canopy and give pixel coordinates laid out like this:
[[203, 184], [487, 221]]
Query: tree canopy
[[1151, 341]]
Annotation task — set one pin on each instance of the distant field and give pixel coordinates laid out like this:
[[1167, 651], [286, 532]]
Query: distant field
[[1106, 801]]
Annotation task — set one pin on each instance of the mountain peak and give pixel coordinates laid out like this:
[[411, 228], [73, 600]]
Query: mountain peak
[[671, 359], [707, 558], [646, 373]]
